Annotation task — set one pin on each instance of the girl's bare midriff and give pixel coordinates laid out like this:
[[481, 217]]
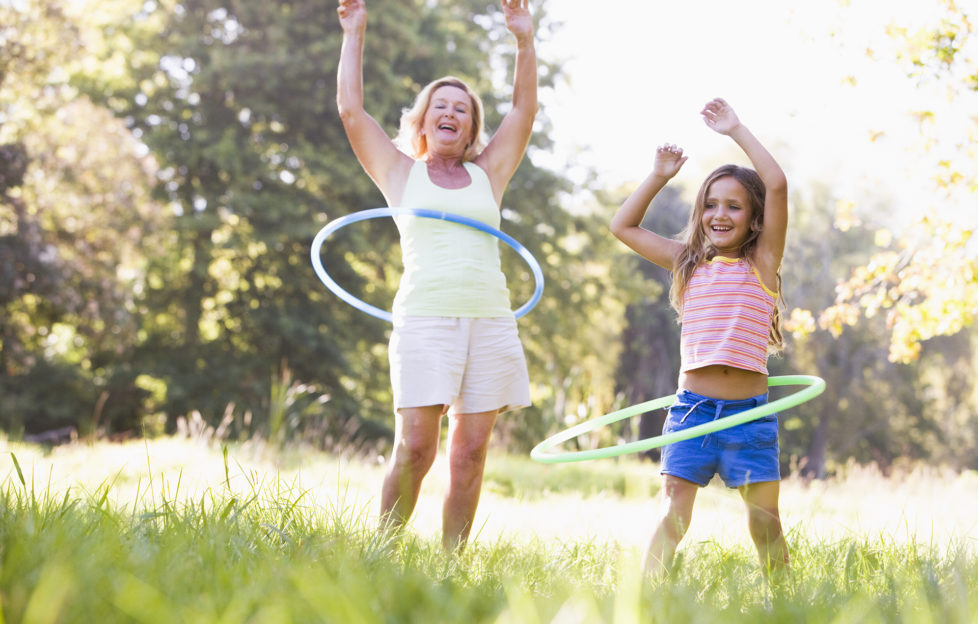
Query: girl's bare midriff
[[723, 382]]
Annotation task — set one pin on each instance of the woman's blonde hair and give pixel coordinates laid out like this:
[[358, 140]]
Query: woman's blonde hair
[[698, 248], [413, 142]]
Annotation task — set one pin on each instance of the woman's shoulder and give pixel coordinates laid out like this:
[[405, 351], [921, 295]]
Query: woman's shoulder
[[475, 166], [477, 172]]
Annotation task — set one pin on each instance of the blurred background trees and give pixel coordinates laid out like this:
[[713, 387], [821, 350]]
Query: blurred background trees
[[165, 165], [923, 279]]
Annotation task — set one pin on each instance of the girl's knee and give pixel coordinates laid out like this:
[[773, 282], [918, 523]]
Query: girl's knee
[[678, 496], [675, 523], [677, 513], [764, 522]]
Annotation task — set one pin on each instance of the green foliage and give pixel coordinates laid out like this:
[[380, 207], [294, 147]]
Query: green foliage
[[925, 279], [74, 213], [873, 410], [164, 167], [206, 285], [236, 106], [30, 399]]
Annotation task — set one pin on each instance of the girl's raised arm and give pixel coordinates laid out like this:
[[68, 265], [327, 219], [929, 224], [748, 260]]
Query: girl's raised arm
[[720, 116], [626, 225]]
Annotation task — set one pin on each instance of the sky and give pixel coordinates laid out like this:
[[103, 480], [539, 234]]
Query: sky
[[798, 73]]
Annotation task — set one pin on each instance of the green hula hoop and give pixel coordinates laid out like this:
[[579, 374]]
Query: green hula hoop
[[541, 453]]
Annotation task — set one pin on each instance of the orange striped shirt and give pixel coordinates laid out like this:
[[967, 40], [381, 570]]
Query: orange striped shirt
[[726, 316]]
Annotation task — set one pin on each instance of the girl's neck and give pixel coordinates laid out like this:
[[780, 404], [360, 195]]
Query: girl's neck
[[730, 253]]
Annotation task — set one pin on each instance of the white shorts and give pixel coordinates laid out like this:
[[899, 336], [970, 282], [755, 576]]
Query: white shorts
[[469, 364]]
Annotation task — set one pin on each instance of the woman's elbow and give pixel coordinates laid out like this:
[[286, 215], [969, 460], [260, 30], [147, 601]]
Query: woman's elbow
[[345, 110], [350, 116]]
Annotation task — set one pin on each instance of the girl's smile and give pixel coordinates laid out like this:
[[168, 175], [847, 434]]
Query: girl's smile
[[727, 215]]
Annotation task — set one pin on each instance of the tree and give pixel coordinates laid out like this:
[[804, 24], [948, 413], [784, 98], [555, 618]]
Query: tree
[[237, 103], [230, 109], [925, 280], [75, 214], [873, 409]]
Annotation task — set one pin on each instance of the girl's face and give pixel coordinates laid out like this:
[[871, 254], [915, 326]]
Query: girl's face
[[448, 121], [727, 215]]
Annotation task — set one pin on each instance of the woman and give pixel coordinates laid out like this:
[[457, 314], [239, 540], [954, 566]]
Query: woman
[[454, 348]]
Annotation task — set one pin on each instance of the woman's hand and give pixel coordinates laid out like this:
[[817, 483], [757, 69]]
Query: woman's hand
[[353, 15], [720, 116], [518, 19]]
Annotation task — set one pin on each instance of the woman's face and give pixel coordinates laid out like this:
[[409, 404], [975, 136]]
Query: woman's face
[[727, 215], [447, 124]]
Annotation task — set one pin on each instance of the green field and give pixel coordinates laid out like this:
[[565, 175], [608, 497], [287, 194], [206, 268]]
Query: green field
[[176, 530]]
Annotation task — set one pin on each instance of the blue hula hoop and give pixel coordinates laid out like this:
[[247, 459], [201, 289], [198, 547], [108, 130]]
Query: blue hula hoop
[[376, 213]]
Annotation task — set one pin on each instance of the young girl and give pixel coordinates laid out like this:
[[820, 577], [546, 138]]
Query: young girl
[[727, 290]]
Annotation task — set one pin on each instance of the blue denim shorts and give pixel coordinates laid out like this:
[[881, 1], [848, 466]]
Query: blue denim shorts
[[745, 453]]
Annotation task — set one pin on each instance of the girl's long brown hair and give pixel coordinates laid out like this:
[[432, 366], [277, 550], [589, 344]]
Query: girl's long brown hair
[[698, 248]]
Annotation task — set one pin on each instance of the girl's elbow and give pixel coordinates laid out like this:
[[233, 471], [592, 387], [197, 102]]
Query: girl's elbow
[[777, 183], [618, 229]]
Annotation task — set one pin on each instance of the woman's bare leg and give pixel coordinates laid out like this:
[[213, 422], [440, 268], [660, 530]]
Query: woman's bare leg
[[416, 436], [468, 444]]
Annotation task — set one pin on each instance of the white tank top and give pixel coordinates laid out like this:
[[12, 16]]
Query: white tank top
[[450, 269]]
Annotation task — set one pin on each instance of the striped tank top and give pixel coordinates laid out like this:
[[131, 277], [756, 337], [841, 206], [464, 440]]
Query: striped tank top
[[726, 316]]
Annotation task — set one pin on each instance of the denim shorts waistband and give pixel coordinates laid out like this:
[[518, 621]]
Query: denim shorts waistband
[[692, 397]]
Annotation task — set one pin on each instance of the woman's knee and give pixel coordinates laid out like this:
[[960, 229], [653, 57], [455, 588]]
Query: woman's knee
[[415, 454], [467, 462]]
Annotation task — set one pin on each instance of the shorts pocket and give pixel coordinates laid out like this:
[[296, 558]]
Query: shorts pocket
[[761, 434], [670, 424], [674, 417]]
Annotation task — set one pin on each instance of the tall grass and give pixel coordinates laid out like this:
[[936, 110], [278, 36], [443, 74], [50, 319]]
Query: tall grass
[[258, 546]]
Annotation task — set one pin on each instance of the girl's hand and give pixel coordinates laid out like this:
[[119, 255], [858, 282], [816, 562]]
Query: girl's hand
[[720, 116], [518, 19], [669, 160], [353, 15]]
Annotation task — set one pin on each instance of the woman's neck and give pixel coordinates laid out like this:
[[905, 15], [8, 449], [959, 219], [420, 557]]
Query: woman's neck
[[447, 164], [449, 173]]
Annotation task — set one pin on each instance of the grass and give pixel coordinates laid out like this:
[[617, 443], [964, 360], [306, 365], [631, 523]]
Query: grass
[[176, 531]]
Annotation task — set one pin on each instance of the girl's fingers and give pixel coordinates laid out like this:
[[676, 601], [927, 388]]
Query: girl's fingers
[[517, 4]]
